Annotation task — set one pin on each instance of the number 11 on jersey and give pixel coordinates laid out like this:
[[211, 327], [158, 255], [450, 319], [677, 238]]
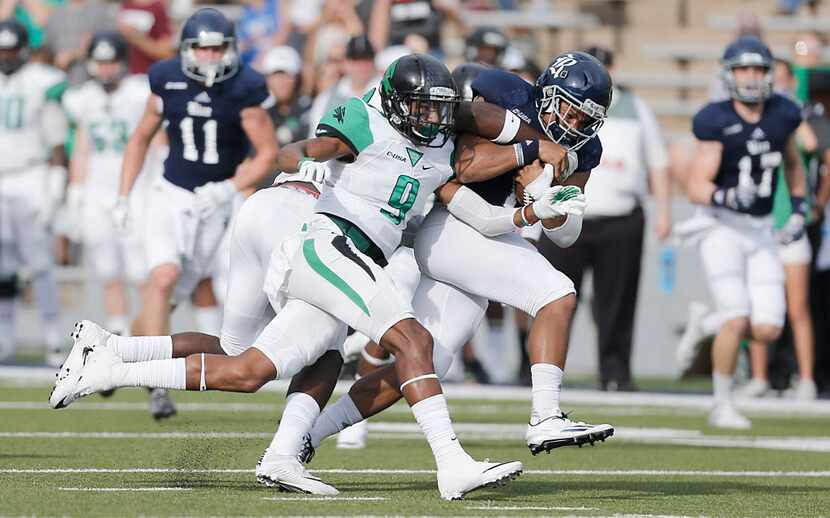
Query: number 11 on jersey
[[191, 153]]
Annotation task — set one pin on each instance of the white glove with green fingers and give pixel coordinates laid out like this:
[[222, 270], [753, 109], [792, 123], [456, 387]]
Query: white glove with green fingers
[[560, 201]]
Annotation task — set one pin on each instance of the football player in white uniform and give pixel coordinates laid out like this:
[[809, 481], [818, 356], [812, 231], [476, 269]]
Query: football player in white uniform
[[32, 164], [463, 269], [335, 265], [106, 110]]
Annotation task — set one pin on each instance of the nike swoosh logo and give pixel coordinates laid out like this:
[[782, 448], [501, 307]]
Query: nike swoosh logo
[[425, 168], [496, 466]]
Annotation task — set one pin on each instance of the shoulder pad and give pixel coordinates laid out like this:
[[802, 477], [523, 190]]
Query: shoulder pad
[[348, 122], [707, 123]]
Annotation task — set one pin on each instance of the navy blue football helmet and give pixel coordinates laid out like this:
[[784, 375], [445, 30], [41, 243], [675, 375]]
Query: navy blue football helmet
[[13, 37], [573, 81], [747, 51], [209, 28]]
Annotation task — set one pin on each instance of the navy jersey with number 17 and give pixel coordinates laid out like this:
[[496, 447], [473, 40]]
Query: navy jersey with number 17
[[513, 93], [752, 152], [203, 124]]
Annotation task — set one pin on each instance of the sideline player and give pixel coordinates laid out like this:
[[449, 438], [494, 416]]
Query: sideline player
[[32, 167], [212, 109], [106, 110], [462, 269], [741, 143], [431, 113]]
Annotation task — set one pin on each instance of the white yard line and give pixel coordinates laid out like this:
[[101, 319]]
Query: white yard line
[[484, 432], [343, 471], [38, 376], [326, 498], [528, 508], [120, 489]]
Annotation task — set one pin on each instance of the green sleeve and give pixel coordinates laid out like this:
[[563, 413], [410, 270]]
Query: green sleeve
[[55, 92], [348, 122]]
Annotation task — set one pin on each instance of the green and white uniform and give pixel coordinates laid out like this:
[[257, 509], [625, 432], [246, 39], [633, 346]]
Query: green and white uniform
[[31, 124], [337, 263], [107, 120]]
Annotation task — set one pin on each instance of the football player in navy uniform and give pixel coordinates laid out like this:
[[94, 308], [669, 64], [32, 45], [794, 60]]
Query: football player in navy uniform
[[741, 142], [212, 108], [567, 106]]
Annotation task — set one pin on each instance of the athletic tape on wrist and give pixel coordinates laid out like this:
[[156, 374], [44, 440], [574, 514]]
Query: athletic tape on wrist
[[524, 219], [419, 378], [202, 384], [377, 362], [509, 130]]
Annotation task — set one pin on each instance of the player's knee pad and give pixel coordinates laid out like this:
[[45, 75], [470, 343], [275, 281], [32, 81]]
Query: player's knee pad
[[441, 359]]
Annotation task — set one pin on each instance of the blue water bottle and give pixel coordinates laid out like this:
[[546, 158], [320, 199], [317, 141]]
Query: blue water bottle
[[668, 267]]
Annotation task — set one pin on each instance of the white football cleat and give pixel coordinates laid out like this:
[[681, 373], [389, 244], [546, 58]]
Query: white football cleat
[[455, 482], [725, 415], [687, 348], [754, 388], [86, 336], [287, 474], [354, 436], [95, 375], [557, 431], [803, 390]]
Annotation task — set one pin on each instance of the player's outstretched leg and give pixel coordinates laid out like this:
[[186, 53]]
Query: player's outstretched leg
[[549, 427], [458, 473]]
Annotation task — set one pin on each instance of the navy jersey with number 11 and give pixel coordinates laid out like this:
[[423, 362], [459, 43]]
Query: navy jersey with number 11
[[752, 152], [203, 124]]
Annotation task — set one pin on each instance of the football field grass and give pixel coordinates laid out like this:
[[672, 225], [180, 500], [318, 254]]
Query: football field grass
[[106, 457]]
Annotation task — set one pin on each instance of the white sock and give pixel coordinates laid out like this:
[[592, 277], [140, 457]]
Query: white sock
[[297, 419], [334, 418], [433, 417], [208, 319], [722, 387], [119, 324], [141, 348], [166, 374], [546, 380]]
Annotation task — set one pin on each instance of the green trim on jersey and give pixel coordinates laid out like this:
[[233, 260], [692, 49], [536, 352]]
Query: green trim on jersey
[[368, 95], [325, 272], [348, 122], [414, 155], [55, 92]]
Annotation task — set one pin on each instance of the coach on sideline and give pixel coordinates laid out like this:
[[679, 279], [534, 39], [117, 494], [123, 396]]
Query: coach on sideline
[[611, 244]]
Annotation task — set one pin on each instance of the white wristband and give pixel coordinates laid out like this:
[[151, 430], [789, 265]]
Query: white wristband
[[510, 128]]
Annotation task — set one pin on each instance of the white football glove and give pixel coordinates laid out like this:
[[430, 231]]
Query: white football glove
[[793, 229], [121, 215], [212, 196], [311, 171], [560, 201], [537, 187]]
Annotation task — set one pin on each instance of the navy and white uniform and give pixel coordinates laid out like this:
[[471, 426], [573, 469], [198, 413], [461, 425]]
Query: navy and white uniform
[[739, 252], [463, 269], [207, 143]]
